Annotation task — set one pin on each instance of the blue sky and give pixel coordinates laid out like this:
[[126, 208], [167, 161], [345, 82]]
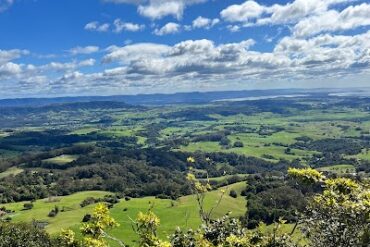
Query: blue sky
[[103, 47]]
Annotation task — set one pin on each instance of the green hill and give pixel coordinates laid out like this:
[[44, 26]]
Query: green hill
[[182, 212]]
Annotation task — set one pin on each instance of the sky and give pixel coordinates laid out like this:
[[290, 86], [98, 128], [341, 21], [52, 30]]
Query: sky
[[52, 48]]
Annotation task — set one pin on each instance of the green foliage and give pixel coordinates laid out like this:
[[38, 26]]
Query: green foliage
[[28, 206], [238, 144], [146, 226], [340, 215], [23, 234], [233, 194], [94, 231]]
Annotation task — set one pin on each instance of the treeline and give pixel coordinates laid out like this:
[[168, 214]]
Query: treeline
[[129, 177], [270, 198]]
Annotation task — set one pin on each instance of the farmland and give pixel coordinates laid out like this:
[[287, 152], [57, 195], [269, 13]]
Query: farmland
[[57, 156], [184, 209]]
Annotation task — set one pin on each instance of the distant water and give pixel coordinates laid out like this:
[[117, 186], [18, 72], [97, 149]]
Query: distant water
[[262, 97], [349, 94]]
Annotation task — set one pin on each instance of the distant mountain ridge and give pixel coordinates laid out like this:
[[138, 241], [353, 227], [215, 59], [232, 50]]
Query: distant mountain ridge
[[176, 98]]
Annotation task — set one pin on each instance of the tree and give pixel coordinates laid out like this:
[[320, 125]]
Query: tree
[[23, 235], [339, 216], [27, 206], [233, 194], [238, 144]]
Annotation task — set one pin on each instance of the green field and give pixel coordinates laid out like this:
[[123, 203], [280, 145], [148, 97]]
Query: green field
[[184, 210], [339, 169], [62, 159], [11, 171], [72, 215]]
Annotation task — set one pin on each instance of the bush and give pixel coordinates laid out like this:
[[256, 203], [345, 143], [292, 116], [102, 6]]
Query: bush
[[27, 206], [54, 212], [233, 194], [23, 235], [86, 218], [88, 201], [238, 144]]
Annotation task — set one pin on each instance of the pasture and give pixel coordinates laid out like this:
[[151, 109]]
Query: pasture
[[184, 210]]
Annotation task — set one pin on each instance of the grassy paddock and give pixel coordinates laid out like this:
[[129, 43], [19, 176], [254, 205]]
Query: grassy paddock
[[62, 159], [11, 171], [182, 212], [339, 169]]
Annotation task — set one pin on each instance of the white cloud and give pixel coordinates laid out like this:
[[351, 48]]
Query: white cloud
[[292, 58], [9, 55], [233, 28], [157, 9], [350, 18], [57, 66], [245, 12], [127, 26], [96, 26], [252, 13], [169, 28], [10, 69], [131, 52], [202, 22], [84, 50]]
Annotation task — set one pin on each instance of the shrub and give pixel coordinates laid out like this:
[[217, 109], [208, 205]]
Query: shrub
[[238, 144], [86, 218], [27, 206], [23, 235], [233, 194], [54, 212]]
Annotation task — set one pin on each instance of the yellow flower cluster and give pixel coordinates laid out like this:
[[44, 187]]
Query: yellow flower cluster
[[149, 219], [341, 185], [307, 175], [190, 159]]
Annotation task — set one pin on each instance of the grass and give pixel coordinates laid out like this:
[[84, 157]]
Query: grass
[[182, 212], [226, 177], [84, 131], [364, 155], [285, 228], [252, 149], [63, 220], [339, 169], [11, 171], [62, 159]]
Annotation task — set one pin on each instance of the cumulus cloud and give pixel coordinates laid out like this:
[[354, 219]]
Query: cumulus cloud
[[127, 26], [315, 49], [131, 52], [202, 22], [350, 18], [323, 55], [9, 55], [10, 69], [169, 28], [244, 12], [157, 9], [252, 13], [233, 28], [84, 50], [96, 26]]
